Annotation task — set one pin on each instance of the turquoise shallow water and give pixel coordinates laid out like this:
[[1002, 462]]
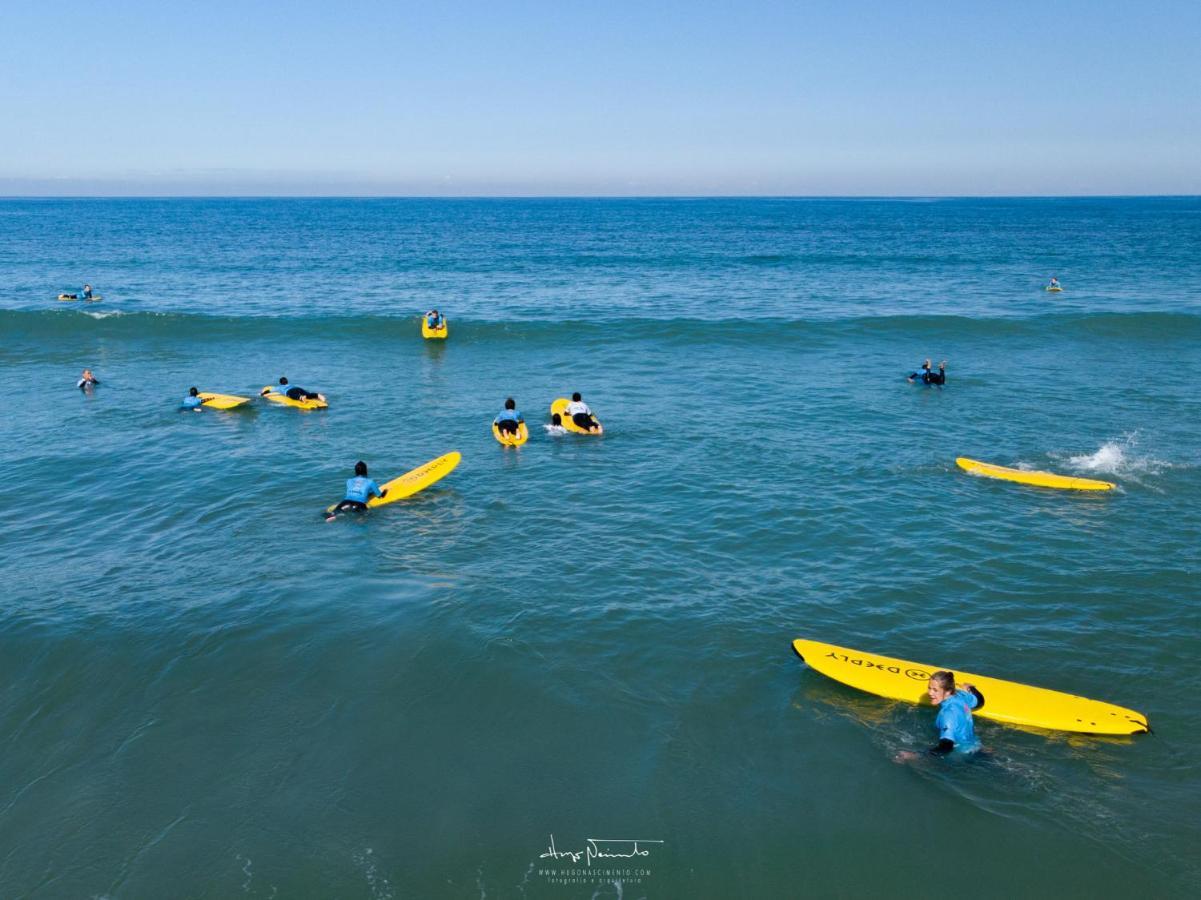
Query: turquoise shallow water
[[207, 691]]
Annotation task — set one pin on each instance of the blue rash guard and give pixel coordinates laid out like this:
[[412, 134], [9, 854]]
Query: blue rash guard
[[433, 321], [192, 402], [954, 722], [361, 489], [508, 415]]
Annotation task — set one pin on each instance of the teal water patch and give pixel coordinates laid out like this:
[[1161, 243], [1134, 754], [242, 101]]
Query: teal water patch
[[205, 684]]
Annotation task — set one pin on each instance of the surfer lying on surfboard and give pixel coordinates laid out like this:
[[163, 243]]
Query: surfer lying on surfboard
[[359, 490], [926, 376], [509, 420], [581, 415], [954, 722], [296, 393]]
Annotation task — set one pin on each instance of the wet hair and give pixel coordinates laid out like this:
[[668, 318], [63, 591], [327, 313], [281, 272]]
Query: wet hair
[[192, 392], [945, 680], [510, 404], [360, 468], [576, 397], [282, 380], [556, 419]]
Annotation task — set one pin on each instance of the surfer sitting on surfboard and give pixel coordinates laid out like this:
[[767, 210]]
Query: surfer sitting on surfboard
[[926, 376], [954, 722], [193, 401], [87, 380], [581, 414], [296, 393], [359, 490], [509, 419]]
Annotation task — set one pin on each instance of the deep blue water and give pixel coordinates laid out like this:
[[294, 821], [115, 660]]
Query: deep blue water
[[205, 690]]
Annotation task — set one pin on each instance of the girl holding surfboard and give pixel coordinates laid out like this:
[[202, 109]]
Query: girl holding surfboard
[[954, 723]]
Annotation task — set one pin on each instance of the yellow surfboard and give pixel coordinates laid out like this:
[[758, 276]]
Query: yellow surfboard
[[1038, 479], [68, 298], [284, 400], [434, 334], [410, 483], [510, 440], [221, 401], [1004, 701], [1054, 290], [560, 407]]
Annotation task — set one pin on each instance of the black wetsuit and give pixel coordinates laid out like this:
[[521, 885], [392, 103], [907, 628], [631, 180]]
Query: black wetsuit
[[928, 376], [297, 393]]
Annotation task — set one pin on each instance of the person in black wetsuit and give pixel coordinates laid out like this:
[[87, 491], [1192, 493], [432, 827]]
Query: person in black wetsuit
[[926, 376], [296, 393], [87, 381]]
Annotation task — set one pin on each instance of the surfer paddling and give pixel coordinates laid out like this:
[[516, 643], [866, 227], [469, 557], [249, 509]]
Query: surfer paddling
[[293, 392], [926, 375]]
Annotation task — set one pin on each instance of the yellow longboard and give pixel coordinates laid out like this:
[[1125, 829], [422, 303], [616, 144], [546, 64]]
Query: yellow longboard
[[511, 440], [1054, 290], [434, 334], [1038, 479], [221, 401], [560, 407], [67, 298], [410, 483], [1004, 701], [284, 400]]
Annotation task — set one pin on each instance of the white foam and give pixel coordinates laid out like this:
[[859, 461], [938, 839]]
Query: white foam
[[1120, 458], [1108, 459]]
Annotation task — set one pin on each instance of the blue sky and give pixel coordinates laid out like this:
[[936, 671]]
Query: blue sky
[[615, 98]]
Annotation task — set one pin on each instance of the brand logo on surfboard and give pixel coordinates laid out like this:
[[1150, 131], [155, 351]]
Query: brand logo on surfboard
[[915, 674]]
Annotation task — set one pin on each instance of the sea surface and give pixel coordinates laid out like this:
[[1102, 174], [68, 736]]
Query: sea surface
[[207, 691]]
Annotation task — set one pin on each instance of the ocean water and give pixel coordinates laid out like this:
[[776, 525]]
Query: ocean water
[[207, 691]]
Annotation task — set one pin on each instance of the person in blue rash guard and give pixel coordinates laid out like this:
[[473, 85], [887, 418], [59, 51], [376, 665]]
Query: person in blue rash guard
[[193, 401], [956, 731], [434, 319], [927, 376], [509, 419], [359, 490]]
